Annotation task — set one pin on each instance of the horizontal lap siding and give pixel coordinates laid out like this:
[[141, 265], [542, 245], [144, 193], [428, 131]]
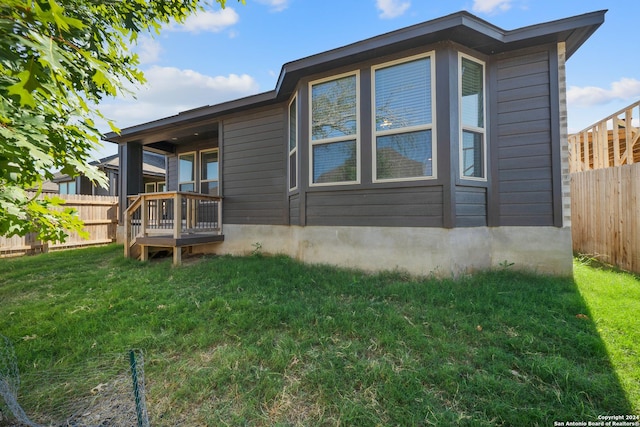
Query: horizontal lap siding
[[294, 209], [524, 140], [254, 168], [471, 207], [401, 207]]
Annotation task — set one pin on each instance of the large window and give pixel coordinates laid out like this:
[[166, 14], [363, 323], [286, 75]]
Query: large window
[[334, 130], [472, 119], [293, 144], [403, 119], [186, 172], [209, 172]]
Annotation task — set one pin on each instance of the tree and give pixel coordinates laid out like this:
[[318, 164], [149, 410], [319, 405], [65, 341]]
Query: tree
[[58, 59]]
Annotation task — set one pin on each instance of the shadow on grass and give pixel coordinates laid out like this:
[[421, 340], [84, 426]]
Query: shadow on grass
[[269, 341]]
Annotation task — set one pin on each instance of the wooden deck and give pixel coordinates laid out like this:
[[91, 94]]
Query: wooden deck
[[173, 220]]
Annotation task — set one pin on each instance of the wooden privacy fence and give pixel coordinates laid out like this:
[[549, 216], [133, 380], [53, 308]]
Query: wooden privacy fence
[[100, 216], [605, 204]]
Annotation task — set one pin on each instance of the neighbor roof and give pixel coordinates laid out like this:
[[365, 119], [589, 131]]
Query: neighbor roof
[[461, 27], [152, 164]]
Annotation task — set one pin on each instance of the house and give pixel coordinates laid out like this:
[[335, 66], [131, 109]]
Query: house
[[440, 148], [153, 173]]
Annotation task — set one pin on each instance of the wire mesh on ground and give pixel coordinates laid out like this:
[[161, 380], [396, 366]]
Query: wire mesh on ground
[[105, 390]]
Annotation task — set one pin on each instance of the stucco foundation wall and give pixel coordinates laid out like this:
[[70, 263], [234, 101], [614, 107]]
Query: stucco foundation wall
[[418, 251]]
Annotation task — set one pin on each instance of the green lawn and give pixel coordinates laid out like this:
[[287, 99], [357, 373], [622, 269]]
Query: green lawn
[[264, 341]]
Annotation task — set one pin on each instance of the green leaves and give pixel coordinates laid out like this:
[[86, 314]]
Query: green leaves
[[24, 88], [58, 59]]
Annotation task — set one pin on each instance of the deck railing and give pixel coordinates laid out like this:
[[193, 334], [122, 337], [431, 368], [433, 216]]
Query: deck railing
[[613, 141], [173, 214]]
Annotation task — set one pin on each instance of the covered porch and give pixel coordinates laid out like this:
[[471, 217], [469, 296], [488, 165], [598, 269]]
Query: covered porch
[[187, 210]]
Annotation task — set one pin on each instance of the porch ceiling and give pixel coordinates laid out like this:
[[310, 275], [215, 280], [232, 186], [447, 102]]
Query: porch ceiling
[[167, 138]]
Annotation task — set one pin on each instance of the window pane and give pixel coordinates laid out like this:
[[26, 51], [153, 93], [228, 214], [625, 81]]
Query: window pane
[[405, 155], [334, 162], [185, 167], [472, 155], [72, 187], [209, 166], [292, 125], [161, 186], [210, 188], [292, 171], [150, 187], [187, 187], [403, 95], [62, 188], [472, 94], [333, 108]]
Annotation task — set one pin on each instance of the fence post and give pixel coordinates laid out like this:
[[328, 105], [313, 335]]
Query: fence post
[[140, 412]]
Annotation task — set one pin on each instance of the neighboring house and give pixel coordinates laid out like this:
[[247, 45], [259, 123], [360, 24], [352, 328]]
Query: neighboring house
[[438, 148], [153, 173]]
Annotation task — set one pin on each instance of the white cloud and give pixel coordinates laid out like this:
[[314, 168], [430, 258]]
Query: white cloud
[[623, 89], [491, 6], [275, 5], [392, 8], [148, 50], [170, 90], [208, 21]]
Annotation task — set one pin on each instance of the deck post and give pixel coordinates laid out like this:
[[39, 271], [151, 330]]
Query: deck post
[[177, 255], [127, 234], [177, 216], [219, 216], [144, 216]]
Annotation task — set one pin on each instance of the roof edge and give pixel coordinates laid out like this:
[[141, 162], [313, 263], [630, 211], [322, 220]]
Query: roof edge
[[573, 30]]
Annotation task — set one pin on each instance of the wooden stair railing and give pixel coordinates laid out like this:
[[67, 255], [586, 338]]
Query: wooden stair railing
[[129, 237]]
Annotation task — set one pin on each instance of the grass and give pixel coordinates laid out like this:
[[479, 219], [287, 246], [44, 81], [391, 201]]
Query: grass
[[613, 298], [263, 341]]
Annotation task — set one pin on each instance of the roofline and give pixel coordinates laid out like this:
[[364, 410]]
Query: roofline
[[458, 19], [196, 114], [492, 39]]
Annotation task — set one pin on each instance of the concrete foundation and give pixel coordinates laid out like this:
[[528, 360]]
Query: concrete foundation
[[417, 251]]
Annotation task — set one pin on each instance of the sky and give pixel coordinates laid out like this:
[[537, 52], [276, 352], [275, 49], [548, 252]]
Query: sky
[[224, 54]]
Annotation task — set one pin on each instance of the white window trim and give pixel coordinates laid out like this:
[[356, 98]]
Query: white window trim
[[293, 152], [375, 133], [463, 127], [195, 170], [199, 178], [355, 137], [150, 185]]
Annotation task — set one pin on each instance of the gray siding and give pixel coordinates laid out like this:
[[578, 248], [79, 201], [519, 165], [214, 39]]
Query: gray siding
[[471, 207], [294, 209], [398, 207], [254, 168], [523, 140]]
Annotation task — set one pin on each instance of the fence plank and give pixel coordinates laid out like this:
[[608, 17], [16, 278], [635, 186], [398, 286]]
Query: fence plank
[[604, 207], [99, 213]]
